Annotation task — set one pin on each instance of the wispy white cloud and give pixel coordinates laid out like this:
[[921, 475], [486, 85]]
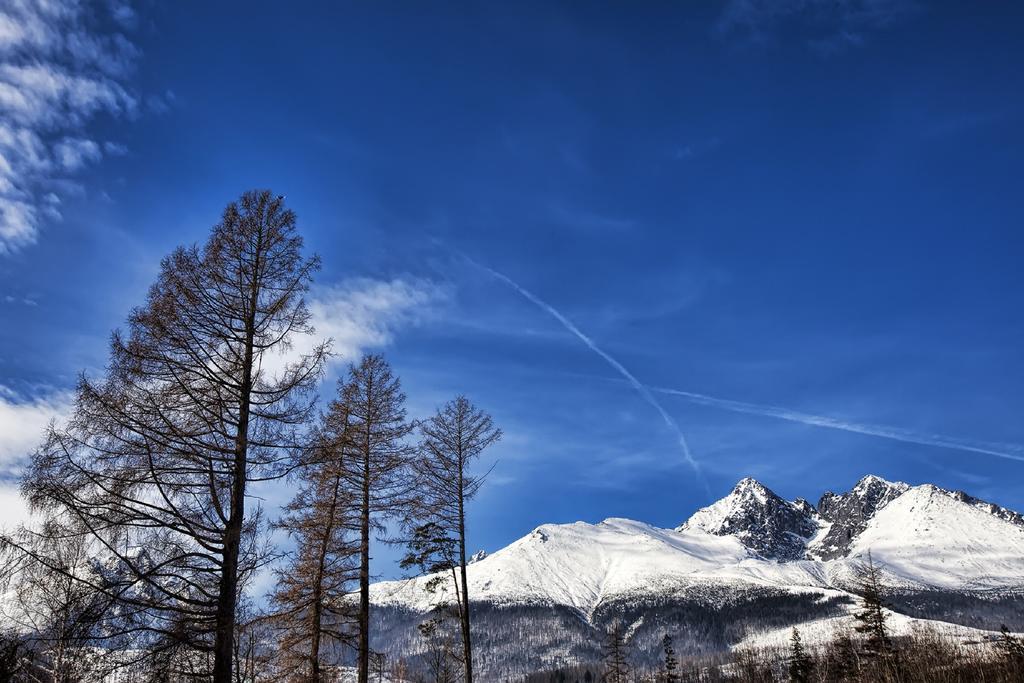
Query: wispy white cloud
[[74, 153], [23, 300], [114, 149], [361, 314], [23, 422], [62, 64], [161, 103]]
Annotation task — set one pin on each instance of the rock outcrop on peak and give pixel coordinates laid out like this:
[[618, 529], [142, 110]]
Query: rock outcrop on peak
[[847, 514]]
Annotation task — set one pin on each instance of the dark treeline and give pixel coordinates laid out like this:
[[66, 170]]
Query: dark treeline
[[924, 657], [146, 534], [866, 653]]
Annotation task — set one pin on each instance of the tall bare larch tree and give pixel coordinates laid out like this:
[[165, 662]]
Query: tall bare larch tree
[[310, 606], [613, 652], [155, 464], [375, 461], [452, 440]]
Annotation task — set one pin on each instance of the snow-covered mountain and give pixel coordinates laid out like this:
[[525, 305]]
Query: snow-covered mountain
[[751, 561]]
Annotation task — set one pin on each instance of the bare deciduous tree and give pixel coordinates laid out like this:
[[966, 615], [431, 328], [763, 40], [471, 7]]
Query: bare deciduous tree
[[613, 652], [57, 618], [452, 440], [439, 653], [155, 464], [310, 606], [374, 460]]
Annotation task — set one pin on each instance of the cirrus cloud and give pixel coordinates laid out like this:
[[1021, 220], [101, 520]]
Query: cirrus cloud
[[63, 63], [360, 314], [23, 423]]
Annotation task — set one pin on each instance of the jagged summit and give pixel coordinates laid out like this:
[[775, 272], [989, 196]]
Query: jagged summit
[[872, 485], [750, 484], [874, 480], [763, 522], [848, 514]]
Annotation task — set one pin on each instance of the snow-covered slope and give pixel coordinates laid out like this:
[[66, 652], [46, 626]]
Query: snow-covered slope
[[929, 536], [579, 565], [922, 538]]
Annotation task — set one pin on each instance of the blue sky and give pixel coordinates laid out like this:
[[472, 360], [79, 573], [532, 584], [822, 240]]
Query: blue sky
[[813, 205]]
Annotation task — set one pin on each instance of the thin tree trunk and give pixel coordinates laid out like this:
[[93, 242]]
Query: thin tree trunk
[[314, 648], [467, 649], [364, 570], [318, 590]]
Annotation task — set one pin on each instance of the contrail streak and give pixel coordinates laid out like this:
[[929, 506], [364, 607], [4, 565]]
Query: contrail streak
[[895, 433], [639, 386]]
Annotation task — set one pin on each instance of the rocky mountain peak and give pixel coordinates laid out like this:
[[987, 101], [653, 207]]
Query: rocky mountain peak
[[871, 485], [763, 522], [848, 513]]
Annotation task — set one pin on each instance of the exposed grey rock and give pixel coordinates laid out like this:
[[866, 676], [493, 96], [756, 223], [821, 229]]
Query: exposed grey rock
[[848, 513], [762, 521]]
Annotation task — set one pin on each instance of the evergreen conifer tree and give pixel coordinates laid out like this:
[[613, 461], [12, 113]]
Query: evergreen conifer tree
[[872, 616], [800, 664], [843, 659], [669, 665]]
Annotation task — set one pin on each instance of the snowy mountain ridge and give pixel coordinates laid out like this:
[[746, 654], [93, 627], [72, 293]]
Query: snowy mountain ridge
[[922, 537]]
